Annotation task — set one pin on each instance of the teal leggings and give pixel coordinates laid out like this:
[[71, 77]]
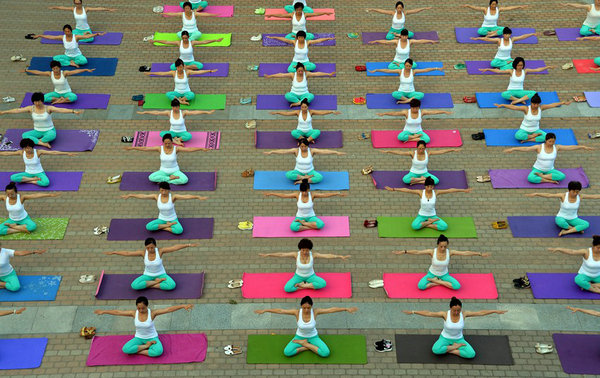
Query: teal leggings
[[309, 66], [422, 285], [502, 64], [440, 347], [314, 133], [185, 136], [30, 224], [37, 136], [390, 35], [483, 31], [535, 179], [309, 36], [160, 176], [585, 282], [295, 226], [403, 136], [524, 135], [177, 228], [395, 65], [317, 282], [12, 281], [585, 30], [399, 95], [293, 176], [597, 61], [194, 36], [173, 95], [292, 348], [578, 223], [410, 175], [197, 64], [290, 9], [441, 225], [195, 6], [69, 96], [82, 32], [293, 98], [517, 93], [131, 347], [140, 282], [43, 181], [64, 60]]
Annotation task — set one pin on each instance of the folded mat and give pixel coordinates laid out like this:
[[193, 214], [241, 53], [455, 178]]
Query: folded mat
[[585, 66], [173, 37], [279, 227], [386, 101], [221, 10], [517, 178], [578, 353], [506, 137], [22, 353], [545, 227], [327, 17], [273, 68], [276, 180], [203, 139], [399, 227], [201, 181], [47, 229], [66, 140], [378, 65], [472, 286], [222, 69], [345, 349], [118, 286], [488, 99], [463, 35], [84, 101], [201, 102], [284, 139], [135, 229], [557, 286], [439, 138], [59, 181], [179, 348], [273, 42], [416, 349], [373, 36], [33, 288], [270, 285], [567, 34], [278, 102], [473, 66], [103, 66], [393, 179], [593, 99], [106, 39]]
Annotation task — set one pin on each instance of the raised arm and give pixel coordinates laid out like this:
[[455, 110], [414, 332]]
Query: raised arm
[[520, 108], [401, 153], [12, 312], [423, 70], [54, 37], [404, 190], [280, 254], [156, 112], [539, 69], [197, 112], [471, 314], [162, 311], [452, 190], [145, 149], [521, 37], [279, 311], [319, 74], [443, 151], [139, 196], [54, 109], [33, 252], [555, 104], [562, 147], [125, 253], [177, 247], [281, 151], [206, 41], [318, 40], [331, 310], [324, 112], [583, 310], [330, 256], [324, 151], [36, 72], [280, 195], [429, 314], [417, 10], [283, 39], [327, 195], [381, 11], [514, 7], [191, 149], [566, 251], [384, 42], [545, 195], [128, 313], [188, 197], [414, 252]]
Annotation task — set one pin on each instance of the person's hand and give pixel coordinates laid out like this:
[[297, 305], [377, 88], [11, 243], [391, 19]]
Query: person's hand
[[352, 310], [407, 312], [98, 312], [530, 195], [485, 254], [553, 249], [567, 102], [267, 152], [40, 251], [399, 252], [550, 67], [337, 112], [497, 105], [500, 312], [193, 245], [342, 194], [332, 74], [345, 257], [389, 188], [262, 254], [78, 111], [90, 69], [109, 253], [469, 190], [101, 33], [573, 309], [259, 312], [20, 311], [126, 196], [587, 148], [188, 307]]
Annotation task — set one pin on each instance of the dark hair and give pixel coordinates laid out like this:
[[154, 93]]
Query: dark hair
[[26, 142], [536, 99], [175, 102], [493, 1], [429, 181], [574, 185], [300, 65], [422, 142], [455, 302], [55, 63], [399, 3], [404, 32], [595, 238], [415, 103], [305, 243], [442, 238], [304, 101], [304, 141], [550, 136], [306, 299], [67, 26], [149, 241], [185, 32], [301, 33], [298, 5], [11, 186], [506, 30], [517, 61], [167, 136], [164, 185], [304, 186], [187, 4], [410, 61], [37, 96], [179, 62], [143, 300]]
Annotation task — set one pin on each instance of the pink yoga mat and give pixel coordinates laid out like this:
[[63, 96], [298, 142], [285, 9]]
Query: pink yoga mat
[[270, 285], [329, 17], [439, 138], [279, 227], [585, 65], [178, 349], [221, 10], [203, 139], [472, 286]]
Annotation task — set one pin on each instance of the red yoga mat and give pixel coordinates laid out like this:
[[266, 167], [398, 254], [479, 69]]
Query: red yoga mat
[[439, 138], [585, 66], [270, 285], [472, 286]]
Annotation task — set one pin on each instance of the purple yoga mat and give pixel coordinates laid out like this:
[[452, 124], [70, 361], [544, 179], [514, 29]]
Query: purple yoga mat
[[373, 36], [473, 66], [593, 99], [578, 354], [59, 181], [517, 178], [278, 102], [273, 68], [201, 181], [118, 286], [463, 35], [545, 227], [222, 69], [135, 229], [567, 34], [283, 139], [107, 39], [386, 101], [393, 179], [84, 101], [66, 140], [557, 286], [273, 42]]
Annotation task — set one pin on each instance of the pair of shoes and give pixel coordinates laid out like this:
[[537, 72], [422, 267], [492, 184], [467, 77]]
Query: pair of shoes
[[370, 223], [260, 11], [99, 230], [87, 332], [579, 99], [158, 9], [469, 99], [594, 135], [29, 36], [245, 100], [352, 35], [544, 348], [144, 69], [375, 284], [460, 66], [383, 345], [367, 170], [360, 68], [251, 124], [127, 139], [486, 178], [521, 283], [549, 33], [235, 284], [567, 66], [137, 97], [478, 136], [499, 225], [8, 99], [256, 38], [363, 136], [18, 58], [87, 278], [149, 38], [252, 68], [248, 173], [245, 225], [114, 179], [359, 100]]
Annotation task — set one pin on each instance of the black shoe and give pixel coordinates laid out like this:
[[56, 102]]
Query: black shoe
[[144, 69], [383, 349], [382, 343], [478, 136], [522, 285]]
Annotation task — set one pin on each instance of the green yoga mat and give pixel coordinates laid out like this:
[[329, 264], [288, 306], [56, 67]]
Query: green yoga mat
[[47, 229], [173, 37], [345, 349], [399, 227], [201, 102]]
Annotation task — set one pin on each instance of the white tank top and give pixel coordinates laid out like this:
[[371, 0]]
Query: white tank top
[[531, 122], [144, 330], [299, 88], [407, 84], [398, 23], [182, 85], [568, 210], [81, 19], [305, 270], [304, 164], [308, 329], [304, 125], [305, 210], [489, 20], [153, 268], [186, 54], [402, 53], [42, 122], [32, 165], [72, 47], [168, 162], [589, 266], [177, 125], [61, 85], [166, 211], [189, 25], [516, 82], [300, 55], [453, 331], [545, 161], [593, 18], [413, 125], [17, 211], [427, 205], [298, 25], [504, 52], [419, 167], [439, 267]]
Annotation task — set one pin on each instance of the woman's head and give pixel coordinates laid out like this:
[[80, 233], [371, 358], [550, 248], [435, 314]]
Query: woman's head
[[301, 35], [175, 104], [142, 304], [300, 68], [179, 66], [429, 183], [550, 139], [399, 6], [442, 242], [164, 188], [404, 34], [306, 303], [518, 63], [67, 30], [415, 103], [55, 66], [595, 240], [303, 144], [493, 4], [574, 187], [299, 7], [150, 244], [78, 2], [185, 35], [536, 100], [455, 306], [304, 104], [167, 140], [11, 190], [27, 144], [187, 7], [304, 185], [408, 63], [37, 98], [421, 146], [305, 245]]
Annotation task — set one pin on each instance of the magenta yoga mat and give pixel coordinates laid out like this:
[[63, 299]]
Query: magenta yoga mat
[[222, 69], [270, 285], [202, 139], [439, 138], [135, 229], [279, 227], [118, 286], [66, 140], [59, 181], [84, 101], [198, 181], [517, 178]]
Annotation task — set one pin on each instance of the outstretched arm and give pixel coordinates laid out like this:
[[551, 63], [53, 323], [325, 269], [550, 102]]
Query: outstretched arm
[[281, 15], [381, 11], [75, 72], [199, 72], [539, 69], [35, 251], [331, 310], [177, 247], [128, 313], [166, 73], [317, 14], [520, 108], [52, 152], [479, 9], [583, 310], [573, 148], [401, 113], [452, 190], [54, 109], [386, 70], [323, 151], [423, 41], [139, 196], [288, 113], [279, 311], [9, 153], [330, 256], [280, 75], [87, 35], [414, 252], [319, 40], [401, 153], [283, 39], [429, 314], [434, 112], [566, 251], [61, 8], [13, 312], [280, 254], [404, 190], [156, 112], [470, 314], [36, 72], [417, 10], [524, 36], [384, 42], [486, 39], [521, 149], [174, 43], [191, 149], [545, 195], [324, 112], [555, 104], [590, 38], [469, 253], [578, 6], [443, 151], [125, 253], [280, 195], [162, 311], [17, 110], [515, 7], [590, 196], [496, 70], [188, 197], [206, 41], [38, 196], [54, 37], [145, 149], [423, 70], [318, 74], [101, 9], [327, 195], [281, 151], [197, 112]]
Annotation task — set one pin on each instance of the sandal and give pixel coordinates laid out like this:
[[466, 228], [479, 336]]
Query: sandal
[[245, 100], [235, 285], [137, 97], [469, 99], [18, 58], [149, 38], [594, 135], [486, 178], [237, 280], [87, 332], [549, 33], [127, 139], [114, 179], [500, 225], [522, 285], [363, 136], [245, 226], [352, 35], [251, 124], [232, 347], [248, 173], [99, 230], [460, 66], [158, 9], [367, 170], [144, 69], [233, 352], [359, 100], [256, 38], [29, 36], [260, 11], [87, 278], [579, 99], [370, 223], [478, 136], [376, 284], [360, 68], [567, 66], [8, 99], [252, 68]]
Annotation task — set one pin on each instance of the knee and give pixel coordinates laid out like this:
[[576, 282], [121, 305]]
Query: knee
[[558, 175], [151, 227], [73, 97], [290, 350], [324, 351], [31, 226], [584, 225], [15, 285], [435, 179], [295, 226], [468, 353], [416, 224], [128, 350], [422, 285], [437, 350], [320, 283], [177, 229], [390, 36], [15, 178], [442, 226], [296, 134], [397, 95], [455, 285], [406, 179], [403, 137], [168, 285], [582, 282], [289, 287], [506, 95], [418, 95], [320, 224], [43, 182], [155, 350], [533, 178]]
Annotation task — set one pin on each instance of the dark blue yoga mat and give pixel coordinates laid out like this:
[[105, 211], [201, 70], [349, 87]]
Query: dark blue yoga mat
[[103, 66], [379, 65], [488, 99], [33, 288], [506, 137], [276, 180], [557, 286], [22, 353], [544, 227], [430, 101]]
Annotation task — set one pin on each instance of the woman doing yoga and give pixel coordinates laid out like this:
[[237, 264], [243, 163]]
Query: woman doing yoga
[[18, 219], [592, 20], [299, 20], [8, 275], [72, 56], [489, 27], [80, 14], [304, 129], [62, 90], [503, 59], [402, 49], [413, 131], [398, 19], [186, 50], [588, 276], [299, 89], [182, 92], [300, 45], [188, 20]]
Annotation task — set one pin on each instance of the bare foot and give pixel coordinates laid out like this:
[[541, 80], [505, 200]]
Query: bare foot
[[74, 64], [173, 177], [47, 145], [302, 342]]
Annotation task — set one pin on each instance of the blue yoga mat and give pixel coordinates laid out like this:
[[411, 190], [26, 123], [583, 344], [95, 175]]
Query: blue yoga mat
[[379, 65], [430, 101], [103, 66], [276, 180], [488, 99], [33, 288], [22, 353], [506, 137]]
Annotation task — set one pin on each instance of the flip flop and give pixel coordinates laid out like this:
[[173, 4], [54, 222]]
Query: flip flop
[[8, 99], [367, 170], [352, 35], [499, 225], [376, 285], [360, 68], [252, 68], [232, 352], [469, 99], [237, 280], [478, 136], [486, 178], [567, 66], [137, 97], [248, 173], [250, 124], [232, 347], [579, 99], [256, 38], [370, 223], [594, 135], [29, 36], [549, 33], [87, 332], [235, 285], [87, 278], [149, 38], [363, 136], [114, 179], [260, 11], [460, 66], [245, 100], [158, 9], [245, 226], [98, 231], [144, 69], [359, 100], [127, 139]]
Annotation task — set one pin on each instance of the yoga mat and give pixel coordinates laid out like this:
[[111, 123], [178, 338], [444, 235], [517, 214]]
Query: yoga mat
[[276, 180], [463, 35], [33, 289], [567, 34], [279, 227], [393, 179], [201, 102], [173, 37], [118, 286], [178, 349], [103, 66], [472, 286], [386, 101], [273, 68], [201, 181], [84, 101], [22, 353], [373, 36], [203, 139], [593, 99], [378, 65], [59, 181], [221, 10], [399, 227], [327, 17], [578, 354], [283, 139], [584, 66], [473, 66], [270, 285], [544, 227], [222, 69], [135, 229], [439, 138], [106, 39], [506, 137], [47, 229], [66, 140], [416, 349], [488, 99], [517, 178], [273, 42], [278, 102], [345, 349], [557, 286]]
